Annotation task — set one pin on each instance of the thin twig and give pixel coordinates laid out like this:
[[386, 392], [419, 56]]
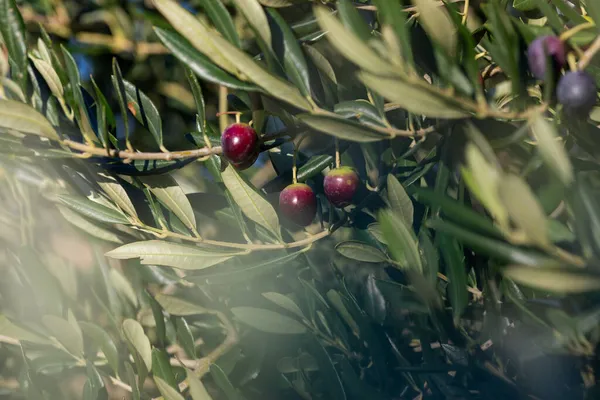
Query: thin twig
[[589, 54]]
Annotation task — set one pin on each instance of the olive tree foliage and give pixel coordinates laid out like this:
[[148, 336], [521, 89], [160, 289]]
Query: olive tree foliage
[[466, 267]]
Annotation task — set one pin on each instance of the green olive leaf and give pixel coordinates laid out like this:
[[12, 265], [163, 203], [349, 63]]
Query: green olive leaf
[[252, 204], [361, 252], [20, 117], [268, 321], [171, 254]]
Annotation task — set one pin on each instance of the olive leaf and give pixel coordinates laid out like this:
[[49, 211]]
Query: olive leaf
[[195, 32], [402, 242], [104, 341], [11, 330], [168, 392], [197, 389], [252, 204], [342, 128], [166, 189], [284, 302], [171, 254], [398, 200], [134, 333], [361, 252], [117, 193], [177, 306], [352, 47], [68, 334], [438, 24], [20, 117], [415, 98], [254, 13], [555, 280], [524, 209], [88, 227], [554, 155], [483, 179], [268, 321]]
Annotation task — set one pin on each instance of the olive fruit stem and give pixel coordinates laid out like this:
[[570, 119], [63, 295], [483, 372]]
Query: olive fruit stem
[[589, 54], [337, 153]]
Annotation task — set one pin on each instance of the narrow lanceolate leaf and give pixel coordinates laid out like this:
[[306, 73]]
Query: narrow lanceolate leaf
[[197, 389], [168, 392], [50, 76], [166, 189], [293, 57], [144, 111], [119, 90], [437, 23], [398, 200], [342, 128], [256, 17], [482, 179], [122, 286], [88, 227], [104, 341], [457, 274], [402, 242], [253, 205], [117, 193], [551, 150], [12, 30], [93, 210], [66, 333], [198, 62], [556, 280], [284, 302], [273, 85], [361, 252], [524, 209], [352, 47], [17, 116], [219, 16], [268, 321], [177, 306], [415, 98], [195, 32], [13, 331], [81, 113], [170, 254], [134, 333]]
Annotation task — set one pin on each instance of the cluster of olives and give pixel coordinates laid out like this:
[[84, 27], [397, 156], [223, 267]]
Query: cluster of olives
[[576, 90], [297, 202]]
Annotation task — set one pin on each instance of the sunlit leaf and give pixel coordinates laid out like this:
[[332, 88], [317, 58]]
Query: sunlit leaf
[[523, 208], [170, 254], [93, 210], [134, 333], [414, 98], [398, 200], [351, 46], [168, 392], [254, 13], [195, 32], [268, 321], [361, 252], [553, 153], [402, 242], [66, 333], [437, 24], [104, 341], [252, 204], [144, 111], [177, 306], [284, 302], [88, 227], [556, 280], [11, 330], [197, 389], [166, 189], [342, 128], [16, 116]]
